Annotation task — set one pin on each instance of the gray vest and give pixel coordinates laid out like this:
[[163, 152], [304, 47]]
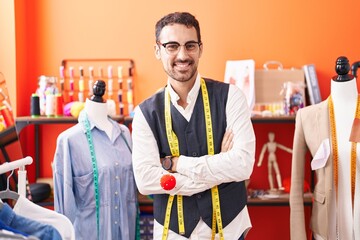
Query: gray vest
[[192, 142]]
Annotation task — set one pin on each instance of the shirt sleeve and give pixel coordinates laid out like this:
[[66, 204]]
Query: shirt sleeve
[[235, 164], [64, 199], [146, 163]]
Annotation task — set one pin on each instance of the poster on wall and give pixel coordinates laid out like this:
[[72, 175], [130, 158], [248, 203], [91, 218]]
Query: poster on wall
[[242, 74]]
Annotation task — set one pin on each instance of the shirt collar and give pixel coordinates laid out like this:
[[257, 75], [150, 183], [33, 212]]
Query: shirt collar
[[192, 95], [116, 130], [82, 117]]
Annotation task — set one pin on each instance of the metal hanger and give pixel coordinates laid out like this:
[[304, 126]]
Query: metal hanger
[[9, 194]]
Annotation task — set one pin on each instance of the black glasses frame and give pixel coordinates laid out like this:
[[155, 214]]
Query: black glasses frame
[[179, 45]]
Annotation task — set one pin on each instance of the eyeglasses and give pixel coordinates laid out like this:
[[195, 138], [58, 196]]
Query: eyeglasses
[[173, 48]]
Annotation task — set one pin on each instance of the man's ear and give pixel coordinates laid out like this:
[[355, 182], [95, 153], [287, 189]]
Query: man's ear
[[201, 50], [157, 51]]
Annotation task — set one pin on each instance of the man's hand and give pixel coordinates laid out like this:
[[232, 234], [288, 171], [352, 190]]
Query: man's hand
[[227, 142]]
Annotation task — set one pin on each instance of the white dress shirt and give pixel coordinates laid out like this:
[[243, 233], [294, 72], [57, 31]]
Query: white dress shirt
[[28, 209], [197, 174]]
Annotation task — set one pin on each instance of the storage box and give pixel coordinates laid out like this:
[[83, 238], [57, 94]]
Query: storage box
[[270, 85]]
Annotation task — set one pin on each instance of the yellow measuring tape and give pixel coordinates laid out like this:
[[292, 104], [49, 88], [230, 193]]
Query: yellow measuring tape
[[174, 148], [210, 143], [335, 150]]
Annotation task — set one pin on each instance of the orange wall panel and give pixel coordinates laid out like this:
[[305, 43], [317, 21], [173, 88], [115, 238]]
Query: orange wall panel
[[295, 33]]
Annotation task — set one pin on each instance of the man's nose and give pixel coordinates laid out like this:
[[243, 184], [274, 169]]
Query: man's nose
[[182, 52]]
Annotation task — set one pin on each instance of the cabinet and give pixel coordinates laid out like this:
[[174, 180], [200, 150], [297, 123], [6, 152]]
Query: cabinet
[[271, 217], [284, 128]]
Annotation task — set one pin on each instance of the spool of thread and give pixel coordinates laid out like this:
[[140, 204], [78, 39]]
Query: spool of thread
[[59, 105], [50, 105], [7, 115], [35, 105]]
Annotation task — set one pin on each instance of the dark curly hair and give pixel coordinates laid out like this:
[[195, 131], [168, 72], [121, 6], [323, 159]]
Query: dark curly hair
[[184, 18]]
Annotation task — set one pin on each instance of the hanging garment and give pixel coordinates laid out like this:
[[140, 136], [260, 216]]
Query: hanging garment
[[27, 225], [26, 208], [8, 235]]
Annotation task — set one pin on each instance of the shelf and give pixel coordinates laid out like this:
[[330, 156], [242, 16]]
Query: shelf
[[22, 122], [283, 200], [275, 119], [117, 73]]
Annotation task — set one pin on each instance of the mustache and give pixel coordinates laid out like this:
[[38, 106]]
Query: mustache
[[189, 61]]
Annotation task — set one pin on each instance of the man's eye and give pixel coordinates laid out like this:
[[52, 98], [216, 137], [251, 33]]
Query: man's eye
[[172, 47], [190, 46]]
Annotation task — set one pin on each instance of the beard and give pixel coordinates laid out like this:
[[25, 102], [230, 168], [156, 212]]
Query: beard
[[182, 75]]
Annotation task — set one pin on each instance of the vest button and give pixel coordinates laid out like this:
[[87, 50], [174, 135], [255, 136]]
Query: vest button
[[194, 154], [199, 196]]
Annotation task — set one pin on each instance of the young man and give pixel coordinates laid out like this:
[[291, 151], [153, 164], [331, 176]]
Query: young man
[[200, 131]]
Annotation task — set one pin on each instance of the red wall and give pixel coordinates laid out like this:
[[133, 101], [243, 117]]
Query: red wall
[[294, 32]]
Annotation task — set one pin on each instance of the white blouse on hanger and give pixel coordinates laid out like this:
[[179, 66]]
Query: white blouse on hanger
[[26, 208]]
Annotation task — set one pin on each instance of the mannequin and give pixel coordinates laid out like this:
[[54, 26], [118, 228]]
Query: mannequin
[[271, 146], [93, 177], [344, 96], [96, 109], [315, 132]]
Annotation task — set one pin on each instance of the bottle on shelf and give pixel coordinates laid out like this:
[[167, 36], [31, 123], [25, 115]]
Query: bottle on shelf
[[91, 80], [71, 84], [120, 90], [110, 82], [81, 85]]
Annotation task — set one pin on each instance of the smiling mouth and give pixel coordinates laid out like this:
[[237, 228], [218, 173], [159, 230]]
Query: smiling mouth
[[182, 65]]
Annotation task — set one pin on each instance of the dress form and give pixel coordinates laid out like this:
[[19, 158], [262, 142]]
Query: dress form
[[96, 108], [89, 170], [344, 95]]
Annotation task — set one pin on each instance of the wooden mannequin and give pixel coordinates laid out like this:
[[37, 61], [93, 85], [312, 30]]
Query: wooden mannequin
[[271, 147]]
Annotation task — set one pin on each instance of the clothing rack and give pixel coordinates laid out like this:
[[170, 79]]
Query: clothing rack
[[18, 164]]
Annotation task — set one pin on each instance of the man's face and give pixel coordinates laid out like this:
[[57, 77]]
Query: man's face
[[181, 66]]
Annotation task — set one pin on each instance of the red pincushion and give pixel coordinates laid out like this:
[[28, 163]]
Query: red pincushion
[[167, 182]]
